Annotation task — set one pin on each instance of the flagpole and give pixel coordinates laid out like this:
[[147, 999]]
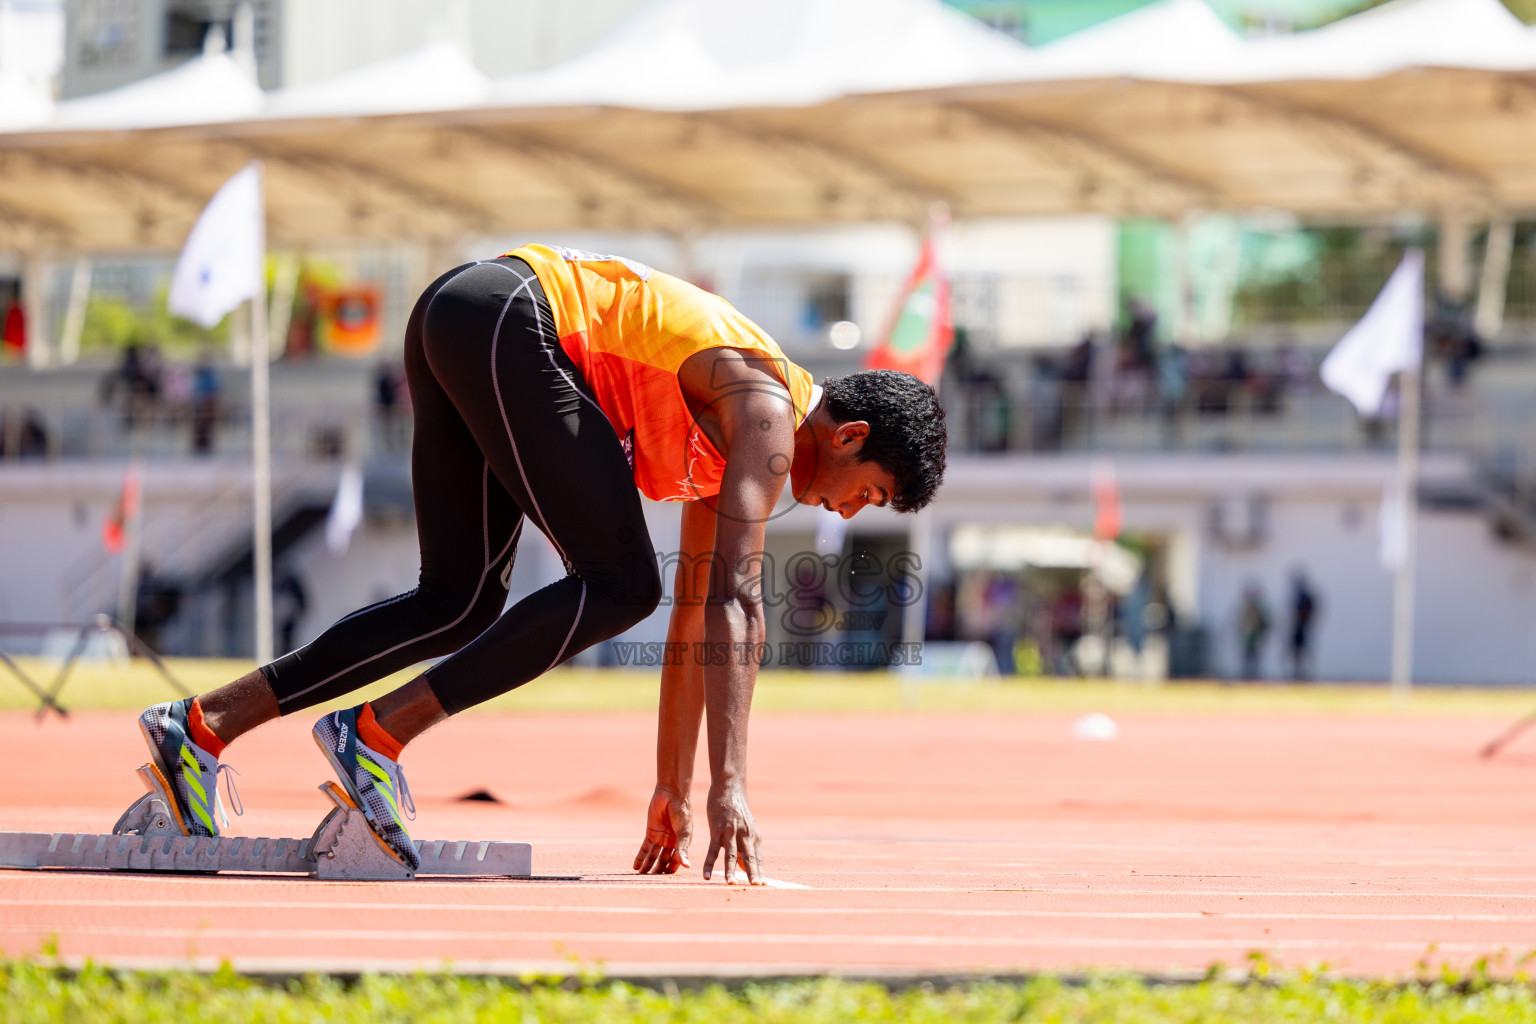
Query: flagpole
[[261, 456], [1407, 500]]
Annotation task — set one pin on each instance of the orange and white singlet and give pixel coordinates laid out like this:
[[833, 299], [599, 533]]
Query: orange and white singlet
[[629, 329]]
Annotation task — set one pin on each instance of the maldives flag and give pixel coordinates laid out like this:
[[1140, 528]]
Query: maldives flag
[[921, 333]]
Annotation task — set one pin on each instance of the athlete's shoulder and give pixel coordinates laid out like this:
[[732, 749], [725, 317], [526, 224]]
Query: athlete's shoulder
[[581, 257]]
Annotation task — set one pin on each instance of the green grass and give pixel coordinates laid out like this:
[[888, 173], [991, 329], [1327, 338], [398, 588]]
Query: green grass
[[29, 993], [103, 686]]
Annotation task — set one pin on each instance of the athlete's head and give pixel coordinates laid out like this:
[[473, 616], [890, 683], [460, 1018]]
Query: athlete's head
[[879, 439]]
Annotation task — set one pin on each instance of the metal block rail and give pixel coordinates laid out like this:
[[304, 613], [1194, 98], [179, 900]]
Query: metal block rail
[[343, 847]]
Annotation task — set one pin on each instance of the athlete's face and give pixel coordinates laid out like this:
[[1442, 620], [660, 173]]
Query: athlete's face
[[836, 479]]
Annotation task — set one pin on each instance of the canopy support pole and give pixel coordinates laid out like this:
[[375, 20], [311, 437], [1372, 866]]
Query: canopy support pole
[[74, 315], [35, 303], [1455, 253], [1494, 285], [261, 457], [1407, 486]]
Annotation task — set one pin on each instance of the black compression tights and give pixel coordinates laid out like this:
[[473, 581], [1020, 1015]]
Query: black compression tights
[[505, 430]]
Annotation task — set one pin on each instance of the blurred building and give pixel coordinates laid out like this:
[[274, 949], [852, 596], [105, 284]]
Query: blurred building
[[1042, 21], [292, 42]]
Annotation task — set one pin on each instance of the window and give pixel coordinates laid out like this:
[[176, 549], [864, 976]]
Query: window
[[108, 34]]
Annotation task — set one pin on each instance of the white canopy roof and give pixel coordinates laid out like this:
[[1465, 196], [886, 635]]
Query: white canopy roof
[[207, 89], [697, 113], [437, 76], [1171, 40], [1471, 34], [708, 55], [22, 102]]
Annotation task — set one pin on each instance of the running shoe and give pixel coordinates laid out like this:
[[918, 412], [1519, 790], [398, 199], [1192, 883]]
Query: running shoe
[[375, 783], [188, 773]]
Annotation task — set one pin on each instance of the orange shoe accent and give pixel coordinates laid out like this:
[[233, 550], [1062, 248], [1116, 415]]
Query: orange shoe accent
[[157, 784], [201, 734], [343, 800], [372, 733]]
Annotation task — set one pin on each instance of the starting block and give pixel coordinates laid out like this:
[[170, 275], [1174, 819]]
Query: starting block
[[146, 838]]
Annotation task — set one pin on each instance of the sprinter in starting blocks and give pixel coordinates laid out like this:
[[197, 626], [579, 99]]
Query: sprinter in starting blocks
[[551, 386]]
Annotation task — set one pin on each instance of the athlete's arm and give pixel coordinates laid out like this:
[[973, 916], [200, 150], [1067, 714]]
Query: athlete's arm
[[669, 821], [753, 419]]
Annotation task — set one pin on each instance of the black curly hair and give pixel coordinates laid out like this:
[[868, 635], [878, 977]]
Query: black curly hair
[[907, 436]]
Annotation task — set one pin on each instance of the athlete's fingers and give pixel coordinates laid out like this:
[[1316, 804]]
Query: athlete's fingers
[[684, 840], [747, 852], [716, 846], [728, 848], [657, 844]]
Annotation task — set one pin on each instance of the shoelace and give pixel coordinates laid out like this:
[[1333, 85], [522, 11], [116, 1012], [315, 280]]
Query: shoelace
[[233, 794], [407, 804]]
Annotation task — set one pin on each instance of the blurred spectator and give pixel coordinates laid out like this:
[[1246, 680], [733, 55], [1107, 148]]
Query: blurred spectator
[[139, 376], [1452, 336], [23, 435], [940, 622], [386, 401], [1235, 374], [1172, 386], [1044, 398], [1303, 612], [206, 388], [1066, 628], [289, 602], [1296, 369], [1076, 372], [1133, 370], [1252, 628], [155, 605], [176, 389]]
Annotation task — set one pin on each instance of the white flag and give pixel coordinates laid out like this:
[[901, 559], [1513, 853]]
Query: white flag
[[222, 263], [1389, 338], [346, 511]]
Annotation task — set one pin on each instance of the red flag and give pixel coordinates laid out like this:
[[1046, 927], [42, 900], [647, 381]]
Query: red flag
[[126, 509], [1108, 519], [921, 332], [13, 330]]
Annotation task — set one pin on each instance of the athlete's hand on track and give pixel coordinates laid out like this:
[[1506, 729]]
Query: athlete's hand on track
[[733, 832], [668, 831]]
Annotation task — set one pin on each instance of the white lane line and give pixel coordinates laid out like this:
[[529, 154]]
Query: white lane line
[[536, 908], [652, 939], [774, 883], [978, 890], [994, 890]]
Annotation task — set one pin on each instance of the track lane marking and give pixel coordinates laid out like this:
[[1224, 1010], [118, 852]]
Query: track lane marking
[[710, 938], [534, 908]]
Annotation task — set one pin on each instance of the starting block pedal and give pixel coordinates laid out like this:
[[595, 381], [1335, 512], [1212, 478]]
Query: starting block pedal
[[147, 838]]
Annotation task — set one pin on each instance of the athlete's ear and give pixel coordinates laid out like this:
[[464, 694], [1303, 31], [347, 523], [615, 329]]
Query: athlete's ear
[[852, 432]]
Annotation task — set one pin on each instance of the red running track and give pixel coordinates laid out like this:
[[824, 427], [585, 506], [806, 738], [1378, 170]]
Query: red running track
[[923, 844]]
